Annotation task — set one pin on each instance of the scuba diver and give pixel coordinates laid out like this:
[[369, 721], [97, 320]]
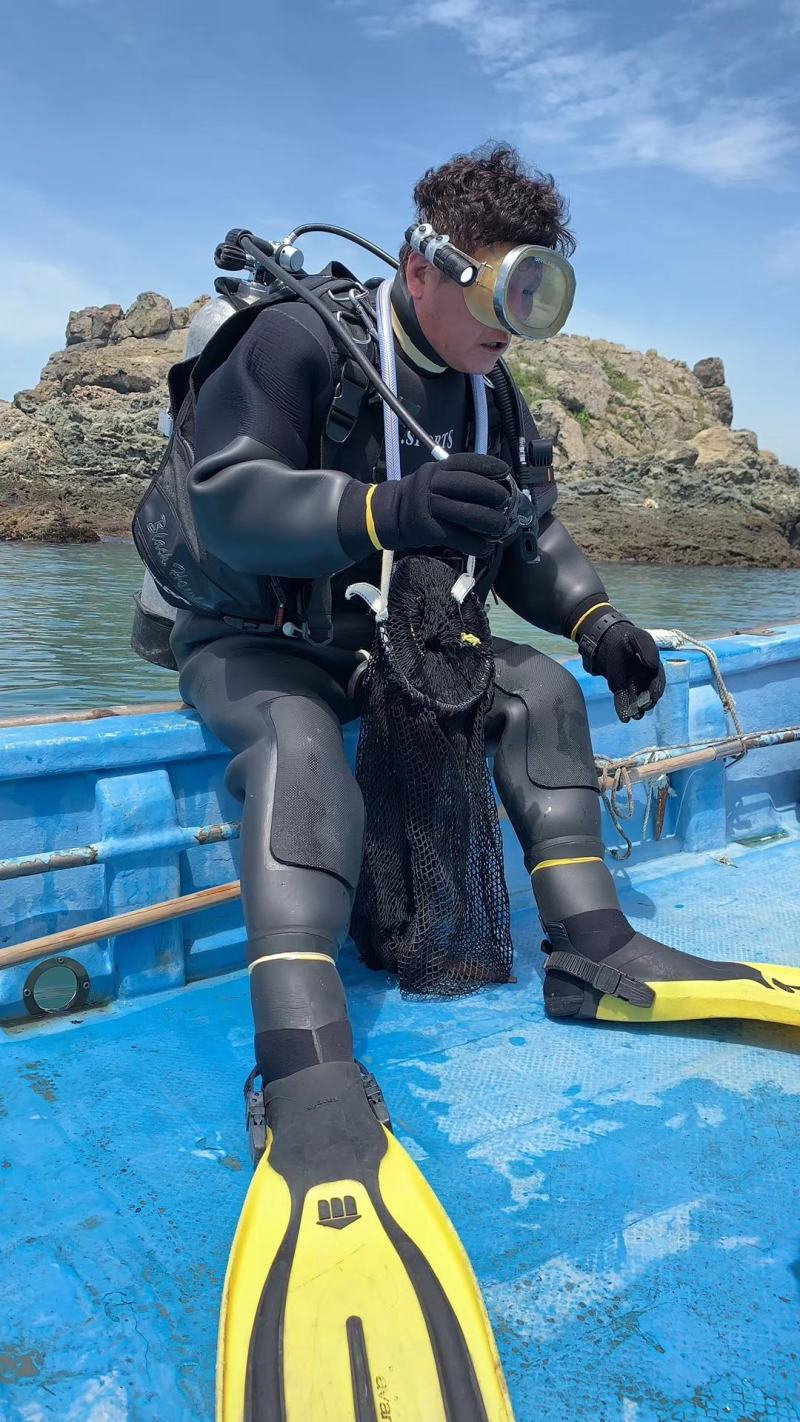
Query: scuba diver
[[279, 502]]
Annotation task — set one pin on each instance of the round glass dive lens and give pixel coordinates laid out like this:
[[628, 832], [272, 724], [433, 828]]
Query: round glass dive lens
[[525, 289]]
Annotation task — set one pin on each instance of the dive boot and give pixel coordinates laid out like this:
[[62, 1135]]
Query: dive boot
[[646, 981], [348, 1296]]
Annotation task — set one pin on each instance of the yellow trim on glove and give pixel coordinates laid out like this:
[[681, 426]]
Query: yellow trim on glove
[[371, 529], [583, 617]]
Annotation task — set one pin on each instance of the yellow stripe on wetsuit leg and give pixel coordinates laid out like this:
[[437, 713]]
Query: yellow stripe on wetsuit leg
[[292, 958], [776, 999], [554, 863]]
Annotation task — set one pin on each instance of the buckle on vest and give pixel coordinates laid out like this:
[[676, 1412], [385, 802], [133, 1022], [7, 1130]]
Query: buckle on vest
[[346, 403], [291, 629], [245, 624]]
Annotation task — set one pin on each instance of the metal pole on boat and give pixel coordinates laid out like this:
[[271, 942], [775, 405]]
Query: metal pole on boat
[[53, 943], [670, 764], [169, 840]]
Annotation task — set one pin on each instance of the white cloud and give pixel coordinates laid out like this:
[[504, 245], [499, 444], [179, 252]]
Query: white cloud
[[724, 142], [36, 298], [624, 327], [31, 217], [664, 101]]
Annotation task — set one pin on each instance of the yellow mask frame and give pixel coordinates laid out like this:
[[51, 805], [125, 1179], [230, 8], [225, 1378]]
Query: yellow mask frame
[[525, 289]]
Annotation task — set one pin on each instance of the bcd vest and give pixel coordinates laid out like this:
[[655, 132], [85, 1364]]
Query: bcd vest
[[186, 574]]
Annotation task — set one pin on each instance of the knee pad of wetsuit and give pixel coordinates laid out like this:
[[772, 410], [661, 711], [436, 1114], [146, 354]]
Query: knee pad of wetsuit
[[318, 813], [559, 746]]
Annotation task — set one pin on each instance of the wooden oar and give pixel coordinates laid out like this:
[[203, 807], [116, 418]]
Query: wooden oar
[[70, 938], [95, 713]]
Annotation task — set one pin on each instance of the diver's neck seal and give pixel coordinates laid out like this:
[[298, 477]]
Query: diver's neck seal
[[410, 336]]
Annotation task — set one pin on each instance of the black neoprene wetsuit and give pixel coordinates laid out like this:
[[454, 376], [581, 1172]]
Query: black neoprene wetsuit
[[262, 505]]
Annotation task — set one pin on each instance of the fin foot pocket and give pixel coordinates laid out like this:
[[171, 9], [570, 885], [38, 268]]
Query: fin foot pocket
[[647, 981], [255, 1110], [349, 1297]]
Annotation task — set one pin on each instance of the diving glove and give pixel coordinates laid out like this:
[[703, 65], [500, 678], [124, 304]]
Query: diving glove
[[627, 656], [467, 502]]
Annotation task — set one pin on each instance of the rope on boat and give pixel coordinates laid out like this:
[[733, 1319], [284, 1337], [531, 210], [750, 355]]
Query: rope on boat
[[616, 776], [618, 771], [674, 639]]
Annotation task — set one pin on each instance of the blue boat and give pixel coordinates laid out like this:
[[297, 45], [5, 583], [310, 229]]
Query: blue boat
[[627, 1195]]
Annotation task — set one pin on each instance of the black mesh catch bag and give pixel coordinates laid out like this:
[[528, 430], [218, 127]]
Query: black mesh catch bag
[[432, 904]]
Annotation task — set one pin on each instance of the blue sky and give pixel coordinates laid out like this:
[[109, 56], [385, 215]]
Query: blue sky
[[135, 133]]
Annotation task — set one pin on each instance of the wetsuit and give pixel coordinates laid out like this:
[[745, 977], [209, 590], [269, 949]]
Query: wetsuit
[[263, 506]]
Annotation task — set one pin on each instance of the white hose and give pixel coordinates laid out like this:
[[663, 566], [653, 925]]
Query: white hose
[[391, 426], [391, 433]]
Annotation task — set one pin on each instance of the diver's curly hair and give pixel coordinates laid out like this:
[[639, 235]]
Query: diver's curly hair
[[488, 196]]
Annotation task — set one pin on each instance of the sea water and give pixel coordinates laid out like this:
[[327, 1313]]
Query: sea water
[[65, 614]]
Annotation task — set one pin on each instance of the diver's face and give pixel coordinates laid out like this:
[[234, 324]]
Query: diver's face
[[462, 341]]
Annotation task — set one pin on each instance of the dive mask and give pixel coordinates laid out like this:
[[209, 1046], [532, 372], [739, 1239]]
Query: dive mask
[[527, 290]]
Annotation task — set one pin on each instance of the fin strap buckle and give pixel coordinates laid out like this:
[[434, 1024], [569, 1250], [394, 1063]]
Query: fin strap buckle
[[375, 1097], [255, 1117], [605, 979]]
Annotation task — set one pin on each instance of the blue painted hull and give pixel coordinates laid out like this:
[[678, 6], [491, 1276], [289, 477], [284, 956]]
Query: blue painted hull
[[626, 1195]]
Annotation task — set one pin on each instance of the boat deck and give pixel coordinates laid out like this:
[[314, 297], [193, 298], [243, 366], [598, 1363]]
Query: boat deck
[[628, 1196]]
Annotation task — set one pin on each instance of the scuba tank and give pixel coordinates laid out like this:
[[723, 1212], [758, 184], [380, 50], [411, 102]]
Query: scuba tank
[[153, 616]]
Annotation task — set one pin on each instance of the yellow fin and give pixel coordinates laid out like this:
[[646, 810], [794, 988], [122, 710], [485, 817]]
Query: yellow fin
[[364, 1268], [690, 1000]]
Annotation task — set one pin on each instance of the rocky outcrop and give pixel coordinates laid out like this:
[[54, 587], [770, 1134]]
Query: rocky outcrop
[[711, 375], [93, 323], [76, 449], [649, 467], [648, 463]]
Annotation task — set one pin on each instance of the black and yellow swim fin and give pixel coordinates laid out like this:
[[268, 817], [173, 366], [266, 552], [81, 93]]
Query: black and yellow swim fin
[[348, 1296], [646, 981]]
